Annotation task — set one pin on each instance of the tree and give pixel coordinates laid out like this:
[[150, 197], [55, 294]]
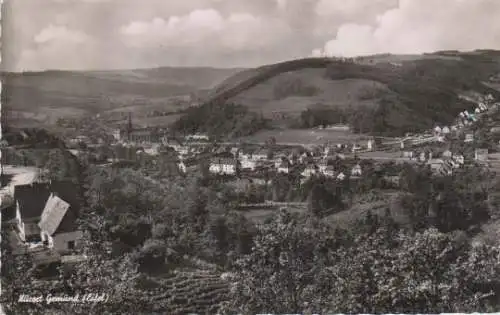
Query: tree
[[324, 199], [280, 275], [427, 272]]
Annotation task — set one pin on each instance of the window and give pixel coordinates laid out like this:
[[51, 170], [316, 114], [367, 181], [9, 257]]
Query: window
[[71, 245]]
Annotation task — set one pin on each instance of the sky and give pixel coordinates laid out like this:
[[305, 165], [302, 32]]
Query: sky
[[124, 34]]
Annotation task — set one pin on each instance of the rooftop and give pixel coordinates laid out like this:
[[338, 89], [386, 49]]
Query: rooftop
[[31, 199], [57, 217]]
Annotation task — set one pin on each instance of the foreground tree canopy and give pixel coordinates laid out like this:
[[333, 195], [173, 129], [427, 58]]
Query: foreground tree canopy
[[164, 243]]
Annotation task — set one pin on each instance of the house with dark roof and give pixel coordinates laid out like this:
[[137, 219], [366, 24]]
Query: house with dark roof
[[29, 202], [58, 229], [440, 167]]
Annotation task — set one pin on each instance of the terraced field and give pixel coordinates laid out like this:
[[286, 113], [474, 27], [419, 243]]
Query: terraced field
[[197, 292]]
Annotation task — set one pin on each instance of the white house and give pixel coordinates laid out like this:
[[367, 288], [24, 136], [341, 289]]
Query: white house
[[425, 155], [447, 154], [235, 151], [303, 157], [370, 145], [198, 137], [356, 147], [223, 166], [328, 151], [182, 166], [446, 130], [245, 155], [341, 176], [469, 137], [284, 167], [260, 155], [117, 134], [278, 160], [356, 171], [248, 164], [309, 171], [407, 154], [437, 130], [322, 166]]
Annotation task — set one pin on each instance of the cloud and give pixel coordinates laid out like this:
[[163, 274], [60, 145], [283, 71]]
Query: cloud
[[348, 9], [57, 47], [54, 33], [418, 26], [206, 29], [222, 33]]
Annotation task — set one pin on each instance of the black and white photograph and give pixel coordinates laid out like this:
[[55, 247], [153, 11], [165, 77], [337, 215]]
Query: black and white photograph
[[250, 157]]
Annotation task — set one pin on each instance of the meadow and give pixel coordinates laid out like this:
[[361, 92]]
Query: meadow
[[304, 136]]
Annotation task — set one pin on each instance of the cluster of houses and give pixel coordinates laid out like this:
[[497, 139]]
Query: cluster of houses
[[307, 163], [43, 217], [444, 162]]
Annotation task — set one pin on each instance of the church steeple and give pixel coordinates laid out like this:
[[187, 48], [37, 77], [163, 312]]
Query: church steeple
[[129, 126]]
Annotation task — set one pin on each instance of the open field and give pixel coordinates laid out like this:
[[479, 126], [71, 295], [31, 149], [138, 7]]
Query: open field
[[304, 136], [261, 215], [346, 218], [156, 121], [336, 93], [385, 156]]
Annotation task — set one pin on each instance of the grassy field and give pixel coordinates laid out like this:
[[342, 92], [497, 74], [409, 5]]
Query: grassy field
[[155, 121], [380, 155], [261, 215], [338, 93], [378, 206], [304, 136]]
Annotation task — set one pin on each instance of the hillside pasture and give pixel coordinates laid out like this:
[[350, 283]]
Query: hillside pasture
[[264, 97], [378, 206], [261, 215]]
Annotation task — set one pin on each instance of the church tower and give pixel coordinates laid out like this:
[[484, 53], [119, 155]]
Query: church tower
[[129, 126]]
